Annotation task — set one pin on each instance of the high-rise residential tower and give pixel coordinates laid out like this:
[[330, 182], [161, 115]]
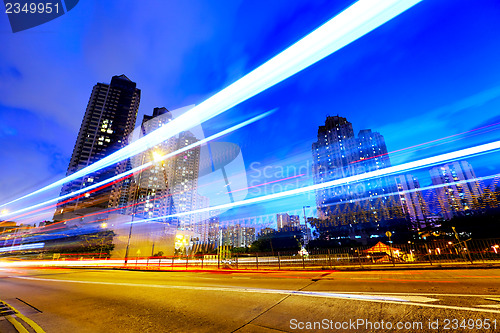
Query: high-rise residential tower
[[238, 235], [149, 194], [412, 201], [109, 119], [338, 154], [457, 188], [285, 221], [184, 181]]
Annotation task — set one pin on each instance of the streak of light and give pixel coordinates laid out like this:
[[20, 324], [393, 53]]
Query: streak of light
[[88, 190], [126, 174], [271, 182], [393, 298], [420, 189], [442, 143], [473, 151], [22, 247], [428, 142], [354, 22]]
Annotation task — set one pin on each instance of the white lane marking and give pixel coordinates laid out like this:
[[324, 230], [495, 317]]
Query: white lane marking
[[414, 298], [496, 299], [360, 297], [232, 289], [489, 297], [493, 306], [419, 294]]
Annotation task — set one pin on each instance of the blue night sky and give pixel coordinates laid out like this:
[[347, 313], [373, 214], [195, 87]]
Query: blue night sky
[[432, 72]]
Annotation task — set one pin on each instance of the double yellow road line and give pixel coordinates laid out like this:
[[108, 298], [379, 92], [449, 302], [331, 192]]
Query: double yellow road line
[[18, 326]]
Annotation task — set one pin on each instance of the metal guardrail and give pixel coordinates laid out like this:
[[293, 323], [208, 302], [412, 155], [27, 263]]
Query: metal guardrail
[[412, 253], [420, 253]]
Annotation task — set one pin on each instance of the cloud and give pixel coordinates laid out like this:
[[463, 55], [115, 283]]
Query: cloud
[[32, 151]]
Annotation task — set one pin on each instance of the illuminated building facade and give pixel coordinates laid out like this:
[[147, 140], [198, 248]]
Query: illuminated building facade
[[214, 231], [149, 193], [412, 201], [201, 221], [458, 190], [238, 235], [170, 185], [285, 221], [109, 119], [266, 231], [184, 181], [338, 154]]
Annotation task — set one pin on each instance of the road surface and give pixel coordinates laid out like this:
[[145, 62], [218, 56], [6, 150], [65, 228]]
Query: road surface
[[83, 300]]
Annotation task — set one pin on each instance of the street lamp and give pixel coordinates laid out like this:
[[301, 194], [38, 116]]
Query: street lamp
[[129, 236], [181, 242], [157, 156], [304, 210], [157, 159]]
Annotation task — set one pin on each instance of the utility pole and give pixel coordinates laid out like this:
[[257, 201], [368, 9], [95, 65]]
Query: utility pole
[[389, 234], [129, 236], [305, 222]]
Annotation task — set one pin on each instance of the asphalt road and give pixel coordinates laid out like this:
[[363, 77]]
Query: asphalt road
[[80, 300]]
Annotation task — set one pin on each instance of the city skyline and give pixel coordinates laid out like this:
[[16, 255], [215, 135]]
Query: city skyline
[[482, 95], [370, 155], [237, 166], [293, 155]]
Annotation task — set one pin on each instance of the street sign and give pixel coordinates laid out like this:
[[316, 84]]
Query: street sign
[[388, 234]]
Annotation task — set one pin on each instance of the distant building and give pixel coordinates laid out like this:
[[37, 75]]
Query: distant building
[[373, 153], [184, 181], [169, 185], [282, 220], [238, 236], [109, 119], [430, 197], [214, 235], [338, 154], [458, 189], [295, 221], [285, 221], [266, 231], [149, 191], [412, 201], [201, 221]]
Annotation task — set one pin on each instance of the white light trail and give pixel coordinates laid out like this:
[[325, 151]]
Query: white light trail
[[420, 189], [144, 166], [351, 24], [22, 247], [473, 151]]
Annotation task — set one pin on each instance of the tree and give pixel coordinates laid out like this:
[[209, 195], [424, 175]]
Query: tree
[[289, 240]]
